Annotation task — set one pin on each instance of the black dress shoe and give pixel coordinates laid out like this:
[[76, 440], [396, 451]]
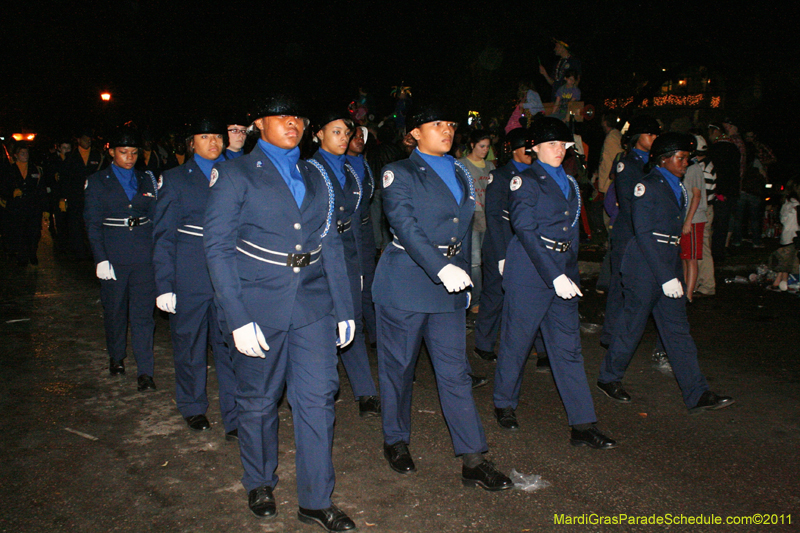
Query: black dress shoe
[[478, 381], [614, 391], [116, 368], [232, 435], [262, 502], [198, 423], [543, 365], [486, 476], [145, 382], [591, 437], [486, 356], [369, 406], [506, 417], [399, 458], [331, 519], [711, 402]]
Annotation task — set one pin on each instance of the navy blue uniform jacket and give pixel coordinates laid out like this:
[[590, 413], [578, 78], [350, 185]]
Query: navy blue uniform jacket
[[498, 224], [251, 209], [106, 210], [657, 219], [178, 234], [423, 216], [630, 170], [539, 211]]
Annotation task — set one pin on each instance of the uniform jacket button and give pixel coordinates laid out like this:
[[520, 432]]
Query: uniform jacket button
[[341, 208], [130, 206], [295, 269], [566, 213], [297, 225], [455, 220], [298, 247], [452, 239], [564, 228]]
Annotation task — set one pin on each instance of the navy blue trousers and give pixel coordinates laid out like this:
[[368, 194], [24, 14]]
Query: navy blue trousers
[[400, 335], [642, 296], [304, 361], [354, 356], [193, 327], [526, 309], [132, 296], [487, 325]]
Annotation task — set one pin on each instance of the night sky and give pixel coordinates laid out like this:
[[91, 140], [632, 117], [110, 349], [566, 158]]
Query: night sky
[[164, 60]]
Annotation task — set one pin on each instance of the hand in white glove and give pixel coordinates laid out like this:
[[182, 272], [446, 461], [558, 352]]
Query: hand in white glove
[[249, 340], [167, 302], [565, 287], [347, 331], [454, 278], [105, 271], [673, 288], [501, 266]]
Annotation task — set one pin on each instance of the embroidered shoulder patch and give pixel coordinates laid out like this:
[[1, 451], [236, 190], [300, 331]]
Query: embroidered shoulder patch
[[516, 183], [388, 178], [214, 177], [491, 178], [620, 167], [638, 190]]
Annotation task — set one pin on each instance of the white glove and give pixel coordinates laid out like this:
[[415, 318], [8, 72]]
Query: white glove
[[454, 278], [501, 265], [673, 288], [347, 331], [249, 340], [565, 287], [105, 271], [167, 302]]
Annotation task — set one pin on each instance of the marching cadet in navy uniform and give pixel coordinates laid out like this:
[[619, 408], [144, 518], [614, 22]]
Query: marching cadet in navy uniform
[[277, 265], [24, 194], [119, 206], [184, 285], [355, 156], [333, 136], [639, 137], [651, 273], [421, 291], [540, 278]]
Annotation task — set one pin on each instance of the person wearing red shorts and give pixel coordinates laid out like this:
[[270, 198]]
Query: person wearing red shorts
[[693, 225]]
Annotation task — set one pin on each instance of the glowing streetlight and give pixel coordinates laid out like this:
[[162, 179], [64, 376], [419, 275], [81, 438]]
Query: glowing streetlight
[[105, 97]]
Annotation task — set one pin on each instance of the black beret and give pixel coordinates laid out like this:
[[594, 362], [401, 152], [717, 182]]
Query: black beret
[[124, 136], [333, 114], [281, 103], [206, 124], [517, 138], [641, 125], [672, 142], [548, 129], [426, 112]]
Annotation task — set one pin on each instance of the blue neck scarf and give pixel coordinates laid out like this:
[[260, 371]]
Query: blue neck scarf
[[286, 163], [230, 154], [336, 162], [644, 155], [357, 162], [559, 176], [127, 179], [445, 167], [674, 183], [207, 164], [520, 166]]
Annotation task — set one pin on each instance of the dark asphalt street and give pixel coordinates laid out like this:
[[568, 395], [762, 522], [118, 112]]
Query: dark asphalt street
[[84, 452]]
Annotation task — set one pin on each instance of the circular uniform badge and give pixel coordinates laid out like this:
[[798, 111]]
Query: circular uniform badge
[[638, 190], [620, 167], [491, 178], [160, 182], [214, 177], [516, 183], [388, 178]]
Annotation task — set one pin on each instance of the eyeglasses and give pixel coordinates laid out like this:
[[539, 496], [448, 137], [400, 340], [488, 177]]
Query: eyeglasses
[[235, 131]]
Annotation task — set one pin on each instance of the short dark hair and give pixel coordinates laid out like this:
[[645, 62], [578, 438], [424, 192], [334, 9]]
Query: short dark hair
[[477, 136], [570, 73]]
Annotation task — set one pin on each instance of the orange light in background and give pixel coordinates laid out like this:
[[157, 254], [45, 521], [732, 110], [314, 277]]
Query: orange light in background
[[24, 136], [105, 97]]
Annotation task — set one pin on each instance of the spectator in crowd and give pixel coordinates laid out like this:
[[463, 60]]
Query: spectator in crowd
[[784, 259], [566, 61], [693, 226], [706, 283], [568, 92], [726, 158]]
